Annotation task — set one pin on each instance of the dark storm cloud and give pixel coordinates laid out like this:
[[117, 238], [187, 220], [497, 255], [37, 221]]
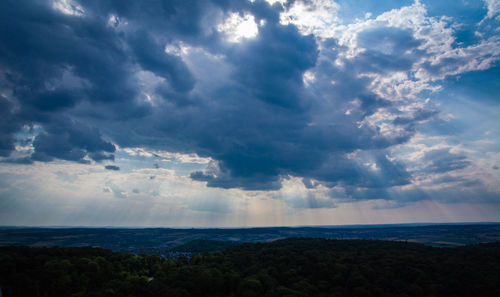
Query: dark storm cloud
[[41, 47], [271, 67], [442, 160], [99, 156], [54, 100], [72, 141], [259, 121], [112, 167], [387, 49], [476, 192], [38, 47], [227, 181], [152, 57], [8, 126], [175, 17], [40, 44], [418, 116], [24, 160], [352, 174], [300, 133]]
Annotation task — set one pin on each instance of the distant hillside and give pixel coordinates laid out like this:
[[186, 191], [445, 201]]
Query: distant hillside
[[161, 241], [290, 267], [203, 246]]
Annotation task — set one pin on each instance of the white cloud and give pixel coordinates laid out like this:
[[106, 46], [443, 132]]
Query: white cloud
[[432, 57], [295, 195], [460, 60], [182, 158], [308, 77], [177, 49], [312, 17], [437, 37], [493, 8], [116, 22], [273, 1], [237, 27], [68, 7]]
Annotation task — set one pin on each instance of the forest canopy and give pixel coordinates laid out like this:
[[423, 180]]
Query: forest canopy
[[290, 267]]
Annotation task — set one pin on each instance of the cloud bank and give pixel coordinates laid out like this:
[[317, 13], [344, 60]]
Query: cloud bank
[[260, 92]]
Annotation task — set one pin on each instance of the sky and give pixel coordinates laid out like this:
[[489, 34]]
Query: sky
[[221, 113]]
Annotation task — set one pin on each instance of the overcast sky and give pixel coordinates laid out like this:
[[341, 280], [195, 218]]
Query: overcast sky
[[249, 113]]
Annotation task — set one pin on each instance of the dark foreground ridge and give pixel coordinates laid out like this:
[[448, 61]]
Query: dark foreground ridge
[[290, 267]]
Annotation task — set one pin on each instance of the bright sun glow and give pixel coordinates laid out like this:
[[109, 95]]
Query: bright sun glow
[[236, 27]]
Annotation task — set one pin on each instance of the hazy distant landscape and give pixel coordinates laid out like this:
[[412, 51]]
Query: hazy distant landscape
[[165, 241]]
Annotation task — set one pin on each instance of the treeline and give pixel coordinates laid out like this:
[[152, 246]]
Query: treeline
[[291, 267], [203, 246]]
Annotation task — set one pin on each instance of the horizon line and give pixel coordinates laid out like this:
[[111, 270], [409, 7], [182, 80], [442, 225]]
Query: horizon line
[[415, 224]]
